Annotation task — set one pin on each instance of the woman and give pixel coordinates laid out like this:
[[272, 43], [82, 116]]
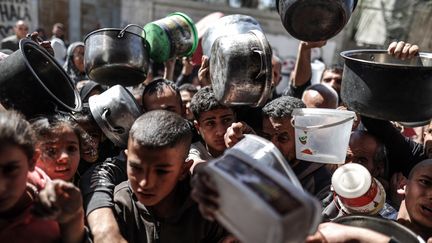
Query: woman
[[74, 64]]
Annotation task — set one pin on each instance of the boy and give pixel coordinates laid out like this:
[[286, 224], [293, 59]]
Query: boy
[[154, 204], [211, 121]]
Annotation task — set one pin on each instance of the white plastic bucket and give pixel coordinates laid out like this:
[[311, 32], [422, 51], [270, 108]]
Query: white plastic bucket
[[322, 135]]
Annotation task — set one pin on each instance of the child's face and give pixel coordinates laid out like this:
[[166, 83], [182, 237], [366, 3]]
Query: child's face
[[418, 197], [60, 154], [153, 173], [212, 126], [14, 166]]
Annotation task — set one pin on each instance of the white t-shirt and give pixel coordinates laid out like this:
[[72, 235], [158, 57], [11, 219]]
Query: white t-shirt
[[59, 50]]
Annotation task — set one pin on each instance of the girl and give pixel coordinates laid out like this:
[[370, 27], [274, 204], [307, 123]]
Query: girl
[[17, 196], [58, 143]]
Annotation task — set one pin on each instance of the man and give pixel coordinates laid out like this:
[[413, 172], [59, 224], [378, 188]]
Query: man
[[320, 96], [302, 74], [12, 42], [58, 44]]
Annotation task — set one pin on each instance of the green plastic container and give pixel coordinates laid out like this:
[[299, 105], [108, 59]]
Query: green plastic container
[[174, 35]]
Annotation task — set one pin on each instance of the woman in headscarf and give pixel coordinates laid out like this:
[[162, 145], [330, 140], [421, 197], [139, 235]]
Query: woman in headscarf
[[74, 64]]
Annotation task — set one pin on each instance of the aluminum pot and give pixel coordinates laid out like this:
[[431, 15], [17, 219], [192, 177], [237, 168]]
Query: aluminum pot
[[228, 25], [315, 20], [115, 110], [383, 226], [116, 56], [32, 82], [378, 85], [241, 69]]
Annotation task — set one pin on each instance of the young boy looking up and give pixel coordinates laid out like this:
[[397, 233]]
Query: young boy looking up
[[154, 204], [211, 121]]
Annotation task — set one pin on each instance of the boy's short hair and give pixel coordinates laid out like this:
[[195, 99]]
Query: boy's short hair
[[204, 100], [282, 107], [157, 86], [160, 129], [16, 131], [188, 87]]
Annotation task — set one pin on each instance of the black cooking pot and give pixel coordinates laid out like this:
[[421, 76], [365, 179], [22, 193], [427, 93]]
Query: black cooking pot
[[378, 85], [32, 82], [384, 226], [315, 20], [116, 56]]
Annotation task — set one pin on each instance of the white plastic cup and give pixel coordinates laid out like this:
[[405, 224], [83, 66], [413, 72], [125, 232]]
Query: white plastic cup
[[357, 191], [322, 135]]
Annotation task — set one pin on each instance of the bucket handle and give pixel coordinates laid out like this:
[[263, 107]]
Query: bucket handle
[[121, 33], [316, 127], [263, 62], [104, 115]]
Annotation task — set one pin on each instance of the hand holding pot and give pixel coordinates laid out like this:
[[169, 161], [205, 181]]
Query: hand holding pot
[[402, 50], [313, 44], [45, 44]]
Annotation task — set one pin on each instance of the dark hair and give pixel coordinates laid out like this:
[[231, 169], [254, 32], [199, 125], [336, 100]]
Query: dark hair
[[336, 68], [161, 128], [16, 131], [157, 86], [44, 127], [204, 100], [188, 87], [282, 107]]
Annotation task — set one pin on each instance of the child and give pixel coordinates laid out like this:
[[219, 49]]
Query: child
[[154, 204], [58, 146], [211, 121], [17, 197]]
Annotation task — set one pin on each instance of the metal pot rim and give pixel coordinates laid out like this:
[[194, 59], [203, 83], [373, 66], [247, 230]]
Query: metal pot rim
[[50, 58], [347, 55], [111, 30]]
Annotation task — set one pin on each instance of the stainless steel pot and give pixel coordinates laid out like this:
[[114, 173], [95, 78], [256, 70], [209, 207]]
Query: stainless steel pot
[[378, 85], [115, 110], [241, 70], [116, 56], [32, 82], [315, 20], [228, 25], [383, 226]]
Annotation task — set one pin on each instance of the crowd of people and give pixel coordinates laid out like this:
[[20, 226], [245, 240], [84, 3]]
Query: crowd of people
[[63, 179]]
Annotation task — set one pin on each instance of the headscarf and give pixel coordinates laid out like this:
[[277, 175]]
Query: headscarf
[[69, 65]]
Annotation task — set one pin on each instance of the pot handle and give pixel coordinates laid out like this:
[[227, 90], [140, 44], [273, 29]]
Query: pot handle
[[106, 112], [263, 62], [311, 128], [121, 33]]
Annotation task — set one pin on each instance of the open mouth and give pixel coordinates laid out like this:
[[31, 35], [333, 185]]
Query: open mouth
[[427, 210], [60, 169]]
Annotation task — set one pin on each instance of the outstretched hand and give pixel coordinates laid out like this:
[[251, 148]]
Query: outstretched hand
[[204, 72], [236, 132], [60, 201]]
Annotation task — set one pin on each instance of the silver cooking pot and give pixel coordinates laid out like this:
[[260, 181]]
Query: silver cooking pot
[[116, 56], [384, 226], [115, 110], [315, 20], [228, 25], [241, 69]]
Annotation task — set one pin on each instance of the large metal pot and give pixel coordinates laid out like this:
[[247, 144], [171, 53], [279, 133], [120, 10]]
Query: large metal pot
[[384, 226], [241, 70], [228, 25], [116, 56], [378, 85], [115, 110], [315, 20], [32, 82]]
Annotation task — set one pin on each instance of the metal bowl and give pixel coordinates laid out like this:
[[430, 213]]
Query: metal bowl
[[383, 226], [378, 85], [115, 110]]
